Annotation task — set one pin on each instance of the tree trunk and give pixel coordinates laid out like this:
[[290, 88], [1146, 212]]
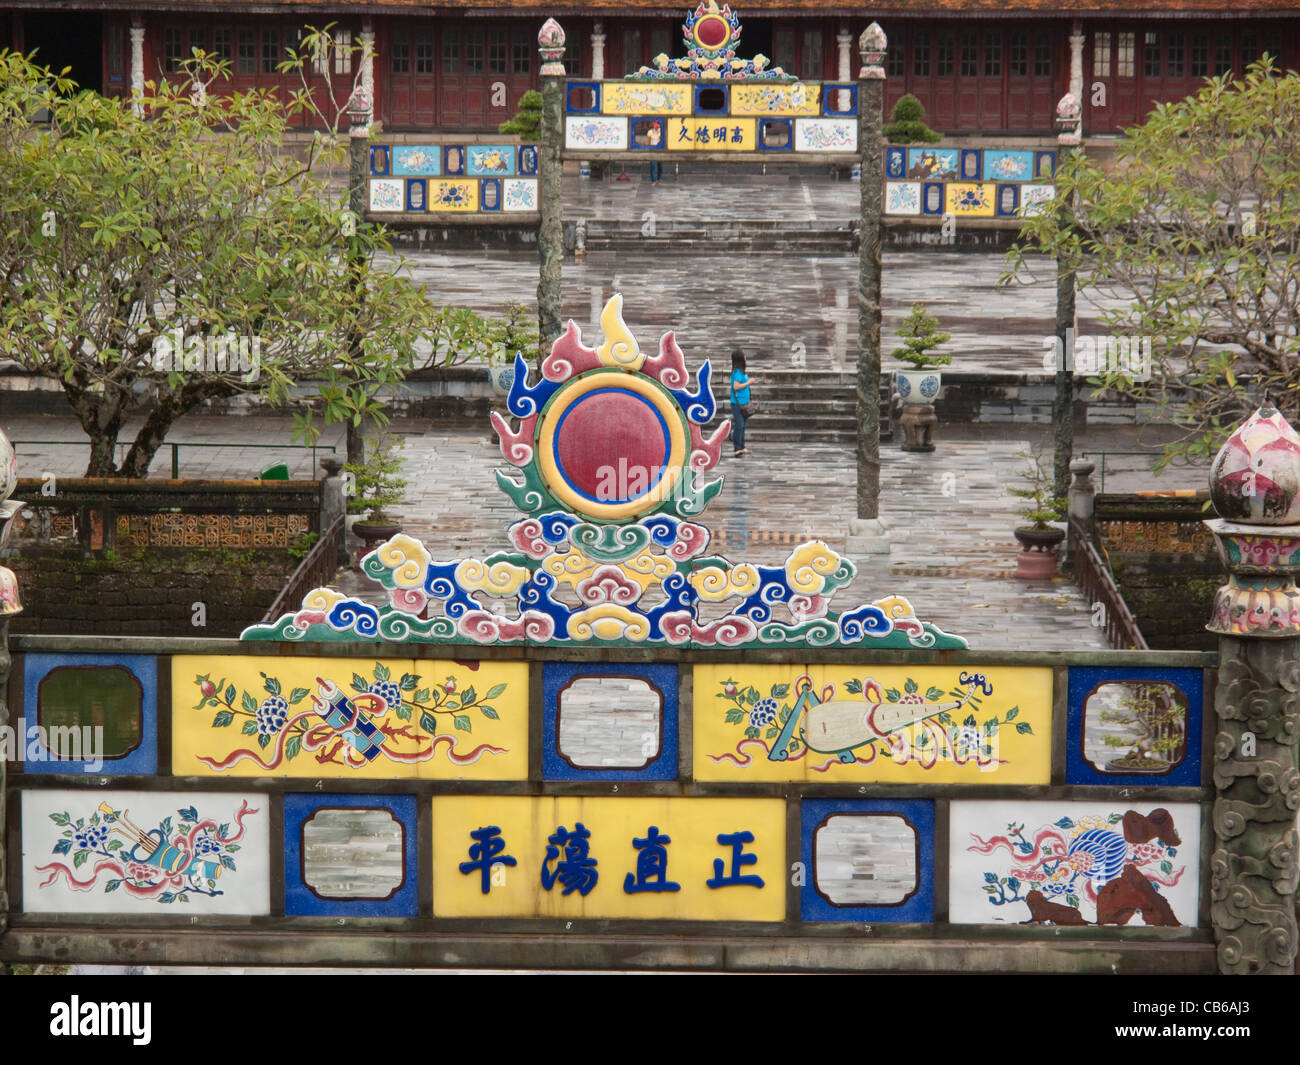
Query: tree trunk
[[101, 420]]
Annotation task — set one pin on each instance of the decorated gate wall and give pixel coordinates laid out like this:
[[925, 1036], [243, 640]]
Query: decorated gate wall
[[286, 805]]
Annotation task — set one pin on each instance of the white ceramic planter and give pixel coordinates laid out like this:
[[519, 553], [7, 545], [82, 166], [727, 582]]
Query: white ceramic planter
[[501, 376], [918, 386]]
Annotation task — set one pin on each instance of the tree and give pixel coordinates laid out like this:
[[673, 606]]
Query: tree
[[920, 335], [1194, 231], [907, 123], [527, 124], [155, 260]]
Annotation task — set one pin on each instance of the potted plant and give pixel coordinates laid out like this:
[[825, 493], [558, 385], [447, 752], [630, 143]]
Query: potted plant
[[376, 484], [918, 387], [907, 123], [1038, 539]]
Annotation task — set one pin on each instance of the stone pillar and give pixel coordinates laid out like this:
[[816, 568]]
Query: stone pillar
[[1253, 867], [10, 606], [137, 66], [1076, 60], [550, 230], [1067, 118], [844, 42], [867, 533], [598, 51], [368, 60]]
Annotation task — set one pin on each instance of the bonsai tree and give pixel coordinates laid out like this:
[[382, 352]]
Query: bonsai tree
[[920, 336], [1039, 490], [527, 124], [1154, 727], [376, 482], [907, 123]]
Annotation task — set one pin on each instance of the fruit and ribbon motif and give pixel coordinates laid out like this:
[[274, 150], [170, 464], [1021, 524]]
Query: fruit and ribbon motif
[[1108, 868], [869, 721], [172, 862], [371, 719]]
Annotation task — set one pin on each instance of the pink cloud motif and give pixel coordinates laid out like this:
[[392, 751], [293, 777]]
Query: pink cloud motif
[[608, 584], [669, 367], [569, 356], [704, 453]]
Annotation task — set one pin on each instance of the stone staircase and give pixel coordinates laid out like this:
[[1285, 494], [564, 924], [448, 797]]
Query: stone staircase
[[809, 407], [759, 235]]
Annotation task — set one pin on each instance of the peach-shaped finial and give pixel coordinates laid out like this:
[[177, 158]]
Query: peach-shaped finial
[[1255, 478]]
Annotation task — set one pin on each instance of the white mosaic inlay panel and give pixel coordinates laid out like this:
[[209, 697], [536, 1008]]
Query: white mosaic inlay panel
[[609, 723], [352, 853], [865, 859]]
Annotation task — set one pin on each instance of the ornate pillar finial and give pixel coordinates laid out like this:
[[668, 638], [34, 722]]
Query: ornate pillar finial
[[550, 42], [872, 46], [1069, 117], [1255, 488]]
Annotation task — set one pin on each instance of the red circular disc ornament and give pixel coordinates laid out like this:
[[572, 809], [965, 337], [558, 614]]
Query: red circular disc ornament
[[605, 434], [712, 31]]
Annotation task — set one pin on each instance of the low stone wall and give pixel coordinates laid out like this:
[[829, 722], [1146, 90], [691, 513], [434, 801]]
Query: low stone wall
[[1164, 564], [157, 558]]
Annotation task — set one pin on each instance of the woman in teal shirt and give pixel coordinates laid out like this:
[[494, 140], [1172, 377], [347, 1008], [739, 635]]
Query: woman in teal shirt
[[739, 401]]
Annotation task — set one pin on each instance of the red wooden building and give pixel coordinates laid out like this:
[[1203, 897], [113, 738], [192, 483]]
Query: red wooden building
[[978, 66]]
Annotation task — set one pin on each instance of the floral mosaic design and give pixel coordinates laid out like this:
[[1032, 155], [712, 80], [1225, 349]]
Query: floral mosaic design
[[519, 195], [451, 195], [403, 721], [1008, 165], [825, 135], [387, 194], [606, 133], [908, 724], [902, 197], [417, 160], [181, 858], [490, 160]]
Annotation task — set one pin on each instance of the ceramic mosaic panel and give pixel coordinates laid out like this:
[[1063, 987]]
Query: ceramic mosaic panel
[[892, 724], [867, 860], [610, 857], [609, 721], [801, 98], [902, 197], [417, 160], [355, 718], [350, 855], [712, 134], [490, 160], [387, 194], [380, 159], [970, 200], [1074, 863], [1033, 198], [417, 192], [145, 853], [826, 135], [599, 134], [623, 99], [1008, 165], [86, 714], [519, 194], [932, 164], [528, 159], [1135, 726], [895, 163], [459, 196]]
